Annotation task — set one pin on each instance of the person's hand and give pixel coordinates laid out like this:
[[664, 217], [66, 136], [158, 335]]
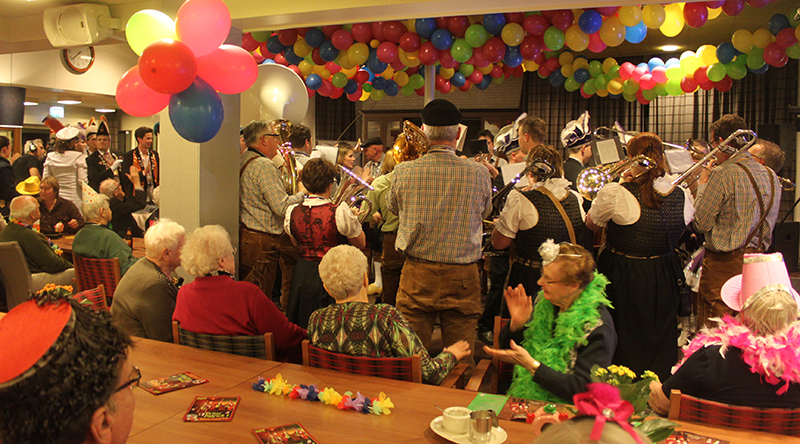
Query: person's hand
[[460, 349], [520, 306], [59, 227], [301, 188], [376, 217], [492, 170], [657, 400], [133, 176], [626, 176], [516, 355], [73, 224], [14, 157]]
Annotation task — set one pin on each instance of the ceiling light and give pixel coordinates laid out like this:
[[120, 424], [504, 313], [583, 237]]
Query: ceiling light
[[105, 110], [69, 101], [670, 48], [30, 102]]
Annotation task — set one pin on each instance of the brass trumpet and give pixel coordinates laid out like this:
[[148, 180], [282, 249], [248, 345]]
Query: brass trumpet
[[288, 164], [591, 180], [786, 184], [351, 190], [411, 144]]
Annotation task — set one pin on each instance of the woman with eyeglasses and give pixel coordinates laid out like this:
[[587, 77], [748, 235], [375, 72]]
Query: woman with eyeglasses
[[556, 339], [644, 216], [215, 303]]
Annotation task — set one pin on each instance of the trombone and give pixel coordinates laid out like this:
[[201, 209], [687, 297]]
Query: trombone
[[591, 180], [743, 137]]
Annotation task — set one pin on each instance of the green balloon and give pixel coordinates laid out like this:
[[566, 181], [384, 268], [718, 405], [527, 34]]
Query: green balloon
[[147, 26], [309, 59], [466, 69], [461, 50], [755, 59], [416, 81], [554, 38], [347, 27], [376, 95], [407, 90], [793, 52], [601, 81], [629, 97], [649, 94], [590, 87], [630, 86], [595, 68], [741, 60], [549, 54], [476, 35], [571, 84], [716, 72], [540, 75], [674, 87], [498, 80], [261, 36], [339, 80], [736, 71], [367, 87], [613, 73], [661, 89]]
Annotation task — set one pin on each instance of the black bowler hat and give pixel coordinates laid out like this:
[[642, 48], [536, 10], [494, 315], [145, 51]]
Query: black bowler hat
[[440, 112], [372, 141]]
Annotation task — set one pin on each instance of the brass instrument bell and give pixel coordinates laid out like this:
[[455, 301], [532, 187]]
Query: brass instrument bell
[[411, 144]]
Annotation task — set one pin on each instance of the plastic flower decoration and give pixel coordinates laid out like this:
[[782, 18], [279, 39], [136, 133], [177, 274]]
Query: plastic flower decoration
[[360, 403], [549, 251]]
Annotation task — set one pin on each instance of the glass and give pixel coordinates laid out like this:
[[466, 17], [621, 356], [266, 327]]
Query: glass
[[135, 376]]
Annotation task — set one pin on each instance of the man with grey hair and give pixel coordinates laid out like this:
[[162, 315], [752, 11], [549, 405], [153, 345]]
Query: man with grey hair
[[44, 260], [262, 207], [441, 201], [145, 297], [96, 240], [123, 206], [769, 154]]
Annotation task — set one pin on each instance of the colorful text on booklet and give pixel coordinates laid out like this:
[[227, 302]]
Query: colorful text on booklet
[[172, 383], [290, 433], [205, 408]]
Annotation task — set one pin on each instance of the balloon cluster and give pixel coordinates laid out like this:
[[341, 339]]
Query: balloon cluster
[[373, 60], [184, 64]]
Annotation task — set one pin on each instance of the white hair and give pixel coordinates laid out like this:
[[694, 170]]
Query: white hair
[[204, 248], [163, 235], [91, 210], [578, 430], [446, 133], [770, 312], [342, 271], [108, 186], [157, 195], [21, 207]]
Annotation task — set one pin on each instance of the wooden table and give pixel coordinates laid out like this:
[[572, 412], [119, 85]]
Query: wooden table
[[65, 243], [160, 418]]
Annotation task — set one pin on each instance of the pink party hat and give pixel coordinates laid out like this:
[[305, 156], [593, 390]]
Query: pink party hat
[[758, 271]]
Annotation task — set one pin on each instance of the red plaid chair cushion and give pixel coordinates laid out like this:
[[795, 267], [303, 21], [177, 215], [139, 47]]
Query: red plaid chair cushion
[[403, 369], [692, 409], [90, 272], [97, 296], [260, 346]]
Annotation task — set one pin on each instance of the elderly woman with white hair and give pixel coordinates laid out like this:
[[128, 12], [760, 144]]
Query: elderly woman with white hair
[[97, 241], [216, 303], [123, 206], [752, 360], [356, 327]]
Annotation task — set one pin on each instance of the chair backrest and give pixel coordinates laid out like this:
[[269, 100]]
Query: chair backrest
[[90, 273], [402, 369], [504, 369], [689, 408], [97, 296], [16, 276], [261, 346]]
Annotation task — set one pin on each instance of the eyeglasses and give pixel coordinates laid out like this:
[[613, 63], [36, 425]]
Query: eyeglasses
[[271, 135], [548, 282], [135, 376], [234, 251]]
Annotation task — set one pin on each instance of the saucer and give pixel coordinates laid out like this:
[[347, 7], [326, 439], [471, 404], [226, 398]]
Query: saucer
[[498, 435]]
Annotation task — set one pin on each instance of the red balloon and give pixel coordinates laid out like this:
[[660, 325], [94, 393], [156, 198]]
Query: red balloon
[[515, 17], [377, 31], [341, 39], [302, 31], [296, 69], [607, 11], [695, 14], [775, 56], [446, 87], [497, 72], [410, 41], [465, 87], [355, 96], [387, 52], [494, 50], [442, 22], [518, 71], [548, 15], [229, 69], [552, 64], [397, 65], [758, 3], [535, 24], [361, 76], [540, 57], [706, 86], [333, 67], [248, 42], [393, 30], [688, 84], [638, 72], [287, 37], [311, 92], [642, 100], [531, 46], [626, 70], [412, 70], [280, 59], [544, 72], [724, 85], [507, 70], [258, 57], [316, 58], [328, 30], [478, 59], [326, 88], [714, 4], [362, 32], [596, 43], [786, 38], [428, 54], [136, 98], [337, 92], [476, 77], [168, 66], [700, 75], [458, 25], [421, 91], [646, 81], [583, 93], [563, 18], [660, 73], [733, 7], [446, 59], [262, 48], [439, 81]]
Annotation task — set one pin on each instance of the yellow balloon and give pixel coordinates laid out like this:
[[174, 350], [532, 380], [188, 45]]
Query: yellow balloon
[[567, 70], [602, 93], [714, 13], [762, 38], [742, 40], [530, 65], [325, 74], [612, 32], [350, 72], [305, 68], [374, 43], [388, 73], [486, 69], [358, 53], [565, 58], [411, 24], [513, 34], [447, 72], [615, 86], [401, 78], [301, 48], [344, 60], [577, 14], [410, 59], [707, 55], [576, 39], [673, 21], [630, 15], [147, 26], [608, 64], [653, 16], [689, 62], [364, 96], [580, 62]]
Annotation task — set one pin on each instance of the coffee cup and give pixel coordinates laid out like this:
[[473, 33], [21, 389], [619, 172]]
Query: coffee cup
[[456, 420]]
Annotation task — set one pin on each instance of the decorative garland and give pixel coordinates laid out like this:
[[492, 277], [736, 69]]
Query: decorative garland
[[56, 249], [552, 346], [280, 387]]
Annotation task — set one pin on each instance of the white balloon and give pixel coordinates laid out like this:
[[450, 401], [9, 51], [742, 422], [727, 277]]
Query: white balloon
[[279, 93]]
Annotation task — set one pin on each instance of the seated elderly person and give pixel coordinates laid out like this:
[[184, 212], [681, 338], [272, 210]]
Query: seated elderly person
[[96, 240], [44, 258], [356, 327], [216, 303], [70, 380], [123, 207], [145, 297], [749, 361], [579, 430], [566, 332], [59, 216]]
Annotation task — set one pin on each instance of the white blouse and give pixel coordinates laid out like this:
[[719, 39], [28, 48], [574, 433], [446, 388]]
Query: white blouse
[[519, 214], [69, 169], [346, 222], [614, 202]]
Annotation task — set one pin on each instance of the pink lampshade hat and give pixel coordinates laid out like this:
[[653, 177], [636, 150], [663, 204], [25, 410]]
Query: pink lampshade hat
[[758, 271]]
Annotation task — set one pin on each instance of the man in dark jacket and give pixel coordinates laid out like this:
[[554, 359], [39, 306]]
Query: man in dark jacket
[[7, 182], [101, 164], [123, 206]]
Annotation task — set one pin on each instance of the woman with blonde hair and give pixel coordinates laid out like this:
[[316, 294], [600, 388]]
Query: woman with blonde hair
[[67, 163]]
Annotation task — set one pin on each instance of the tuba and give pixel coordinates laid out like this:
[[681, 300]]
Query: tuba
[[286, 161], [411, 144], [591, 180], [351, 190]]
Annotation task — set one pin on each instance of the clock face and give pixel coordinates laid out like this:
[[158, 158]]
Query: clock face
[[79, 59]]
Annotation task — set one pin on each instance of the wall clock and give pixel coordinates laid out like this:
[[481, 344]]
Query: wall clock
[[78, 59]]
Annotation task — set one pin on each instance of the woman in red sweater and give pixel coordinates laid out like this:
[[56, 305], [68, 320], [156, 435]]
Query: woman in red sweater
[[215, 303]]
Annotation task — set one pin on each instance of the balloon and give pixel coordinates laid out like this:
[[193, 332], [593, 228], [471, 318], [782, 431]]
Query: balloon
[[714, 4], [393, 30], [410, 59], [613, 72], [401, 78], [653, 16], [512, 34], [315, 37], [476, 35], [168, 66], [339, 80], [229, 69], [630, 86], [661, 89], [378, 83], [742, 40], [425, 27], [700, 75], [136, 98], [736, 71], [724, 85], [582, 75], [786, 38], [278, 93], [361, 32], [713, 12], [612, 32], [410, 42], [203, 25], [590, 21], [287, 37], [341, 39], [196, 113], [733, 7], [615, 86], [554, 38], [608, 64], [494, 50], [654, 62], [596, 43], [376, 95], [775, 56], [571, 84], [638, 73], [608, 11], [391, 88], [537, 25], [442, 39], [755, 59], [461, 50], [259, 36], [689, 62], [725, 52], [636, 34], [695, 14], [562, 19], [556, 79], [762, 38], [446, 59], [649, 94], [313, 81], [148, 26], [626, 70], [327, 52], [716, 72], [566, 58], [532, 46], [476, 77], [387, 52], [601, 81], [375, 65], [512, 58], [673, 21], [301, 48], [646, 81], [581, 62], [630, 15], [494, 23], [688, 85], [792, 51], [576, 39], [358, 53], [707, 55], [777, 23], [673, 87], [675, 72], [274, 45], [416, 81], [567, 70]]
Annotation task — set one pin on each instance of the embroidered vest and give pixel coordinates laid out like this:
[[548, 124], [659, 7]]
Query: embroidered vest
[[314, 228], [550, 226]]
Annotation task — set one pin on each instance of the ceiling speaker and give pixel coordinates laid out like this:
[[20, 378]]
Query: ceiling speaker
[[77, 24]]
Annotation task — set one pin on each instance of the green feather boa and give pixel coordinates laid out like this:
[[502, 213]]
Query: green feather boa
[[553, 346]]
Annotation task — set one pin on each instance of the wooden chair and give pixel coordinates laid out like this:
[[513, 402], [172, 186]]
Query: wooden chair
[[402, 369], [15, 275], [261, 346], [496, 369], [97, 296], [90, 272], [711, 413]]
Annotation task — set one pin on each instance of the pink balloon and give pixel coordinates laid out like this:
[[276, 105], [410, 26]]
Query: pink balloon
[[341, 39], [638, 72], [387, 52], [646, 81], [660, 74], [229, 69], [410, 41], [203, 25], [168, 66], [596, 43], [626, 70], [138, 99]]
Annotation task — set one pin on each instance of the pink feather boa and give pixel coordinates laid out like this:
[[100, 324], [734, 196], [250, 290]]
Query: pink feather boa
[[775, 357]]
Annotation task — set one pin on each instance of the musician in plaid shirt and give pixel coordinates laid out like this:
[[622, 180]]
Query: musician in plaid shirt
[[441, 201]]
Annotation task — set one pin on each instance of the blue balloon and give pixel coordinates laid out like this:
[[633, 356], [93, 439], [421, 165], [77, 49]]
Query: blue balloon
[[761, 70], [672, 61], [274, 45], [374, 64], [582, 75], [487, 80], [777, 23], [458, 80], [725, 52], [157, 128], [494, 23], [351, 87], [425, 27], [654, 63], [196, 113], [512, 58], [313, 81], [590, 21], [635, 34], [391, 89], [328, 52], [291, 57], [614, 96], [442, 39], [643, 65], [268, 62], [557, 79], [379, 83], [315, 37]]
